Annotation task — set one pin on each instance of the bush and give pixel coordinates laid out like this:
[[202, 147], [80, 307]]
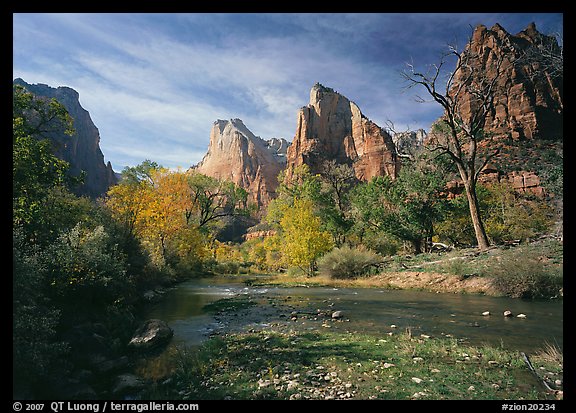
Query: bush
[[86, 270], [521, 277], [346, 262]]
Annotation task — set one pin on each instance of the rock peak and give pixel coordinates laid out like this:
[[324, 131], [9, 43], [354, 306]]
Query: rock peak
[[82, 149], [236, 154], [331, 127], [528, 100]]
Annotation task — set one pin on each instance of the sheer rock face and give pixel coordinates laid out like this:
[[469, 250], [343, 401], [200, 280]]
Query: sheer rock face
[[408, 142], [236, 154], [81, 150], [333, 127], [528, 97]]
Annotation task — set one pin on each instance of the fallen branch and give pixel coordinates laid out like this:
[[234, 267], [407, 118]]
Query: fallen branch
[[533, 370]]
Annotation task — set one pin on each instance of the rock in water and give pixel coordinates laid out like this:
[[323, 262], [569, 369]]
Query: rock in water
[[337, 314], [508, 313], [152, 333], [127, 383]]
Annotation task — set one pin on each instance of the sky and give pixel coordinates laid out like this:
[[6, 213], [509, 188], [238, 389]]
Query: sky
[[154, 84]]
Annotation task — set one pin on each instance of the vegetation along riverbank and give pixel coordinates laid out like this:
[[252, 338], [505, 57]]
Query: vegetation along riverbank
[[532, 270], [326, 365], [473, 205]]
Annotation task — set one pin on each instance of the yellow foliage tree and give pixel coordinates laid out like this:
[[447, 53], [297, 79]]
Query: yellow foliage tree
[[302, 236]]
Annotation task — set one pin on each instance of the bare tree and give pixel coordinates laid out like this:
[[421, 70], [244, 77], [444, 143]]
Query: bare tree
[[467, 97]]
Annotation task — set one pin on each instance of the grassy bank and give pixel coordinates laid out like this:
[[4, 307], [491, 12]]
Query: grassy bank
[[328, 365], [532, 270]]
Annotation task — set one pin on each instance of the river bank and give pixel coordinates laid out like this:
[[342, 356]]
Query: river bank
[[307, 355], [533, 270], [235, 342]]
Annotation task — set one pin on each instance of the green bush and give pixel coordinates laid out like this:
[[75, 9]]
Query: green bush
[[521, 277], [86, 269], [346, 262], [37, 356]]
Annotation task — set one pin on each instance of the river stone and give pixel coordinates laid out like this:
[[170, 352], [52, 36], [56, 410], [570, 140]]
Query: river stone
[[508, 313], [485, 313], [521, 316], [150, 334], [127, 383], [337, 314]]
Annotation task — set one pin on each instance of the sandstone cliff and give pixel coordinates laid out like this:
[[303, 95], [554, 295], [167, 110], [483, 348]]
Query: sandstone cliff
[[528, 94], [333, 127], [237, 155], [81, 150], [408, 143]]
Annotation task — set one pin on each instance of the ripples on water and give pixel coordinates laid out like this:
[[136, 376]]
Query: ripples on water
[[371, 311]]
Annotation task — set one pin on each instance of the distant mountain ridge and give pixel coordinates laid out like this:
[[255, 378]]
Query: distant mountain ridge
[[82, 149]]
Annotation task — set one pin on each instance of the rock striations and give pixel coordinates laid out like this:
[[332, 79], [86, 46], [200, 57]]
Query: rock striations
[[528, 94], [333, 127], [81, 150], [237, 155]]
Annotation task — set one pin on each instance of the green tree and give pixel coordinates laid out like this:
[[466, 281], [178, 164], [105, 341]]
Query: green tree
[[467, 98], [35, 169], [212, 199], [406, 208], [333, 201]]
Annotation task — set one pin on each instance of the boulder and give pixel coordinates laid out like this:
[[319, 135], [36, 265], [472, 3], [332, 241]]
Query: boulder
[[337, 314], [127, 383], [152, 333]]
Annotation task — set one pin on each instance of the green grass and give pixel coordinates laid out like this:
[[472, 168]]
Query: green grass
[[326, 365]]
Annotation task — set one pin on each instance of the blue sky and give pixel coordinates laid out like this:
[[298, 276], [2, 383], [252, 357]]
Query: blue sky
[[155, 83]]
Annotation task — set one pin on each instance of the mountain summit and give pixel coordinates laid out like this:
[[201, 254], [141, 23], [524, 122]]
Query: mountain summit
[[81, 150], [333, 127], [236, 154]]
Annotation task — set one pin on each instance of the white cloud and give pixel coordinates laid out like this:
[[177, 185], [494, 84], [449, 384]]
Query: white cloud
[[156, 82]]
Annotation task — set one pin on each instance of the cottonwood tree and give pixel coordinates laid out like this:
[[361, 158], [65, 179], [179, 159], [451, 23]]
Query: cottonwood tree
[[467, 96]]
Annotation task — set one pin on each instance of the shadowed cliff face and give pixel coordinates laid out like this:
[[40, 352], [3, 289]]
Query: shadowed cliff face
[[236, 154], [81, 150], [528, 94], [332, 127]]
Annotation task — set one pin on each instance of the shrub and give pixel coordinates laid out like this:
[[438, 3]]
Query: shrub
[[521, 277], [346, 262]]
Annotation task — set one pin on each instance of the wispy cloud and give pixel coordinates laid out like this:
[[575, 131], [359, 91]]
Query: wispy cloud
[[154, 84]]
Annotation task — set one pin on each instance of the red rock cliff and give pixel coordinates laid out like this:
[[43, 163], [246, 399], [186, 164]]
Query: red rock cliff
[[528, 95], [236, 154], [333, 127]]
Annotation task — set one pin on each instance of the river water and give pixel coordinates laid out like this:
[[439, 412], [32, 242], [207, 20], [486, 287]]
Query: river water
[[372, 311]]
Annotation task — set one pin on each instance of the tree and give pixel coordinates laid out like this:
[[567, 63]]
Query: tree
[[211, 199], [35, 169], [301, 185], [406, 208], [467, 99], [333, 200], [303, 239]]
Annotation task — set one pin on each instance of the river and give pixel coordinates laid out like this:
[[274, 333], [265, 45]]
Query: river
[[372, 311]]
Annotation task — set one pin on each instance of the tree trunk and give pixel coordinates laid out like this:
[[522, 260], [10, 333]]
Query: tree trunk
[[417, 245], [479, 230]]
